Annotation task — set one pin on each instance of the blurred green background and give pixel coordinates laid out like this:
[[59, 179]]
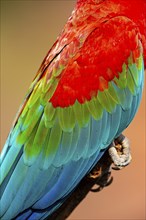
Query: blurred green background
[[28, 29]]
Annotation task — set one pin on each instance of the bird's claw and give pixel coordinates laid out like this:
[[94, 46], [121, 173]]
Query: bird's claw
[[95, 173], [105, 181], [119, 152]]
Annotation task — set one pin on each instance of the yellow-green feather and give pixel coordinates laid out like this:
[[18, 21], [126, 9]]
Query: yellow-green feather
[[42, 125]]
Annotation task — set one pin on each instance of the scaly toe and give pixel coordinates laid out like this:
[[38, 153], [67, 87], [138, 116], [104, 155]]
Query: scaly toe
[[120, 156]]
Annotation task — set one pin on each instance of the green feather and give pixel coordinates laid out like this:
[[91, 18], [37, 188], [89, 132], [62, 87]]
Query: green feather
[[51, 144], [131, 84], [54, 139], [29, 124], [30, 152], [134, 72], [86, 113], [35, 95], [106, 101], [33, 114], [66, 118], [24, 112], [122, 81], [112, 93], [93, 108], [40, 136], [78, 111], [49, 112], [44, 149], [56, 72], [140, 62], [48, 89], [99, 109]]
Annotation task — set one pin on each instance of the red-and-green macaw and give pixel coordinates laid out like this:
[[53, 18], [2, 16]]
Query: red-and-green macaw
[[84, 95]]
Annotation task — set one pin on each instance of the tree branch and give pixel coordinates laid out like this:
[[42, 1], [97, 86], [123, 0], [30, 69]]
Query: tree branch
[[100, 176]]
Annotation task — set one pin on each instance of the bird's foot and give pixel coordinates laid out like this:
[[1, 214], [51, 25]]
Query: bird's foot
[[119, 152], [95, 173], [103, 182], [100, 175]]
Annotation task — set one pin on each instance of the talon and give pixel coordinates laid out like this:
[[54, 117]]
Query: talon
[[109, 182], [119, 151], [117, 167], [98, 189], [105, 181], [95, 173]]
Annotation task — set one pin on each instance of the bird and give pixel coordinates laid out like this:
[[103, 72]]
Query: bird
[[84, 95]]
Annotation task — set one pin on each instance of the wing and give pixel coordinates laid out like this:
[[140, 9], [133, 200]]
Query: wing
[[76, 106]]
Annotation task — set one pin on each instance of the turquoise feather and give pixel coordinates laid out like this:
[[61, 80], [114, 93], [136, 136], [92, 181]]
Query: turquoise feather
[[51, 148]]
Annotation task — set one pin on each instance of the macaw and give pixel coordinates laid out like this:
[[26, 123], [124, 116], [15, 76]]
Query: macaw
[[86, 92]]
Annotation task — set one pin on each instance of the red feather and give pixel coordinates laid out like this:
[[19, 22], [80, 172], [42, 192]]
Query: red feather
[[99, 49]]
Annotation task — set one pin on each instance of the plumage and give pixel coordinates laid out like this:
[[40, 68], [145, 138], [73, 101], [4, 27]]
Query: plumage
[[86, 92]]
